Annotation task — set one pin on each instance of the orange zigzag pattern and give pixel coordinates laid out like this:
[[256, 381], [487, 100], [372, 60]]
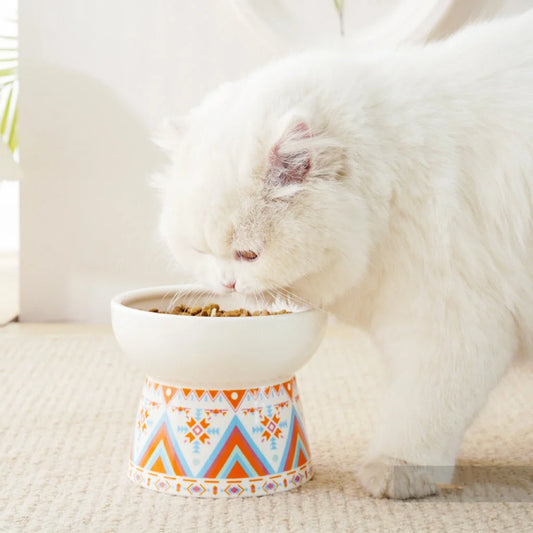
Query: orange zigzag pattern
[[162, 436]]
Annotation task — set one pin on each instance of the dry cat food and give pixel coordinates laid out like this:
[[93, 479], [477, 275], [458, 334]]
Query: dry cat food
[[214, 310]]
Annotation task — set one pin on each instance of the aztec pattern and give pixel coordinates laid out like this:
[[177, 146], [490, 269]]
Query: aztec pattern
[[220, 443]]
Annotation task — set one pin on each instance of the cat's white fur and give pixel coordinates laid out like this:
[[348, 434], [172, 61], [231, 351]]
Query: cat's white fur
[[414, 219]]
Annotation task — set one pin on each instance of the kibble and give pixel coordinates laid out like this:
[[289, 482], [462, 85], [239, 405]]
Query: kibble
[[213, 310]]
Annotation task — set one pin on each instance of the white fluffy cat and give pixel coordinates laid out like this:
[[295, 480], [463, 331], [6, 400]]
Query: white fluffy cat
[[395, 191]]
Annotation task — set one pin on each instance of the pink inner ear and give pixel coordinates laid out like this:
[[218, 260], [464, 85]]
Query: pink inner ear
[[302, 129], [287, 167]]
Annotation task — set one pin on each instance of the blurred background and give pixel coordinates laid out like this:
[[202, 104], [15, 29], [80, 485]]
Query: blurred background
[[95, 80]]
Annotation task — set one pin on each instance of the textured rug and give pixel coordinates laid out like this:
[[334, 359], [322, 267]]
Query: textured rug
[[69, 399]]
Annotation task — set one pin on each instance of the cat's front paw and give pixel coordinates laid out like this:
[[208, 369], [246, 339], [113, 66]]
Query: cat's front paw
[[386, 477]]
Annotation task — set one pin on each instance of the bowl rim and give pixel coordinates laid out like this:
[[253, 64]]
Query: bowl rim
[[119, 301]]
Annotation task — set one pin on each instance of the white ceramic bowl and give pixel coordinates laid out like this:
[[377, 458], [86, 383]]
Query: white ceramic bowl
[[217, 352]]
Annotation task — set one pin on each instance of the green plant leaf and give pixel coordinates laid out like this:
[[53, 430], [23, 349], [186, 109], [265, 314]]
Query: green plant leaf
[[339, 5], [8, 71], [5, 112], [9, 91], [13, 141]]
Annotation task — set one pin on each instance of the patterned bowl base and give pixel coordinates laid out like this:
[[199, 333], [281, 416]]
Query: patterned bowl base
[[220, 443], [216, 488]]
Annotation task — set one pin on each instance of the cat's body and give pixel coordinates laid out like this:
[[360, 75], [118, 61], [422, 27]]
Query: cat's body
[[395, 191]]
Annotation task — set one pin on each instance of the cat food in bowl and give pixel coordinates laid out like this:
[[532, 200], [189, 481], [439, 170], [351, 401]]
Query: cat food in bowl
[[213, 310], [220, 413]]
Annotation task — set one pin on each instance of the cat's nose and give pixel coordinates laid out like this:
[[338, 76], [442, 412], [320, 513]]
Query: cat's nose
[[229, 284]]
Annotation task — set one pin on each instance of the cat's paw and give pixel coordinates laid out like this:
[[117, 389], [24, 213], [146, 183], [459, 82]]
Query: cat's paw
[[385, 477]]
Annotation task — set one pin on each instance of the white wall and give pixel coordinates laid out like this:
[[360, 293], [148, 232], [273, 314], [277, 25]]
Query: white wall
[[9, 298], [96, 77]]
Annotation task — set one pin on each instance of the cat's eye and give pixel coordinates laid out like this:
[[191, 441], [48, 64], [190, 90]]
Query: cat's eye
[[245, 255]]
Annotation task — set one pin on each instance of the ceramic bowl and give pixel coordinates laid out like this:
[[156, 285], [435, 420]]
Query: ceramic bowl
[[220, 412], [213, 351]]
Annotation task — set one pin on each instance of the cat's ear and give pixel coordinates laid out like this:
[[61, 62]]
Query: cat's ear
[[169, 133], [289, 159]]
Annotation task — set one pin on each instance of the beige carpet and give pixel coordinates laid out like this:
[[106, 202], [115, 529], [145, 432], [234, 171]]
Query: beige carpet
[[68, 400]]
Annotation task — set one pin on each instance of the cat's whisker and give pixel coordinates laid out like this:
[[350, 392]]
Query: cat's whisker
[[282, 300], [195, 298], [211, 295], [291, 297], [174, 300], [278, 297], [272, 298], [170, 303], [201, 293], [256, 298], [297, 297], [303, 301], [163, 298]]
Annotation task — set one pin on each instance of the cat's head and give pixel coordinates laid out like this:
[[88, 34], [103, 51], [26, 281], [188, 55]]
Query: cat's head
[[256, 198]]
